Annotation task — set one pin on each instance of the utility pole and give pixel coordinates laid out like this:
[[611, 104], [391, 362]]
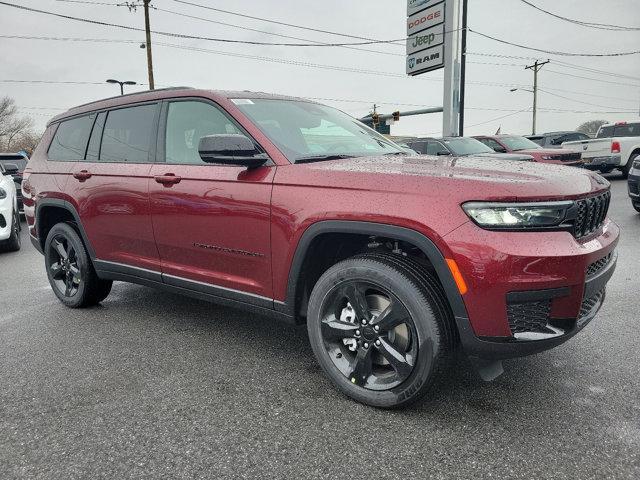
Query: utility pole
[[463, 66], [148, 45], [536, 68]]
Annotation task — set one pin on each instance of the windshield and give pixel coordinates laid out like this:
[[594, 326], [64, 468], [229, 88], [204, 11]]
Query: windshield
[[20, 162], [467, 146], [303, 130], [519, 143]]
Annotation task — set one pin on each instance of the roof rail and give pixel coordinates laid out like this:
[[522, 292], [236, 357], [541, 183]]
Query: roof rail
[[130, 94]]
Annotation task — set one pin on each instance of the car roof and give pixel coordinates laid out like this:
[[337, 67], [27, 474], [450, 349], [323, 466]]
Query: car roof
[[162, 93]]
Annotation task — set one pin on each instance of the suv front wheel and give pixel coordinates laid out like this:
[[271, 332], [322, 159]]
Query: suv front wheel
[[380, 328], [70, 271]]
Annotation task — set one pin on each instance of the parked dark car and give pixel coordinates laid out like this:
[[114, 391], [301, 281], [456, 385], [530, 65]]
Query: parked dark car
[[634, 184], [524, 146], [461, 147], [21, 162], [293, 209], [556, 139]]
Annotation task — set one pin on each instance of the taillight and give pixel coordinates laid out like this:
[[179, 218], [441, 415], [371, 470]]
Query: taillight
[[615, 147]]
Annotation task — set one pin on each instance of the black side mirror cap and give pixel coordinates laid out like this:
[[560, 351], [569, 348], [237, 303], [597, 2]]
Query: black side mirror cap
[[230, 149]]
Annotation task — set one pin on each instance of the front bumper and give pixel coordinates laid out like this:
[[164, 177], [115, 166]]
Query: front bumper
[[539, 271], [600, 163]]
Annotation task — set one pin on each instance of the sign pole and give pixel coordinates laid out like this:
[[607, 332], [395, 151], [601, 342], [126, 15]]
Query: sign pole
[[451, 97]]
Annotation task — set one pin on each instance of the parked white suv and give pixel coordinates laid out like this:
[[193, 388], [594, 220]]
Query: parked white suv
[[616, 145], [9, 214]]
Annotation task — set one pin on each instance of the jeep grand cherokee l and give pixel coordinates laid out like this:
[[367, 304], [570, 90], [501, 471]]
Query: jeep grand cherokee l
[[294, 209]]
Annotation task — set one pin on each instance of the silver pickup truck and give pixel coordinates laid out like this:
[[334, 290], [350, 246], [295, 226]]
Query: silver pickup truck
[[616, 145]]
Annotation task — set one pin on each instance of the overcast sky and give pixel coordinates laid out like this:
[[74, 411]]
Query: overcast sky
[[511, 20]]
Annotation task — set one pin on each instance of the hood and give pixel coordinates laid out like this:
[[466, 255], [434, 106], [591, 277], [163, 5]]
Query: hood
[[458, 178]]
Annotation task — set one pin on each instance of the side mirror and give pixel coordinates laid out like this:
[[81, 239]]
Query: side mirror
[[230, 149], [10, 169], [500, 149]]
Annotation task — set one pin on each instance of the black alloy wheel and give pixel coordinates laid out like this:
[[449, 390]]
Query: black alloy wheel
[[369, 335], [63, 266], [381, 328], [69, 269]]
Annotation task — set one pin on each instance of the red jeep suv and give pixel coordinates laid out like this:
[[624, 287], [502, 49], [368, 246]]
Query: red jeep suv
[[294, 209]]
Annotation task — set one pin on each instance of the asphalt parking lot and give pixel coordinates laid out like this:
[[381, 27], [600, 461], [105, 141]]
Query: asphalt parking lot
[[153, 385]]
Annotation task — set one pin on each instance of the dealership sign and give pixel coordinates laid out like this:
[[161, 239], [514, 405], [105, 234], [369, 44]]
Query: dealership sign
[[414, 6], [426, 60], [425, 35], [428, 38], [425, 19]]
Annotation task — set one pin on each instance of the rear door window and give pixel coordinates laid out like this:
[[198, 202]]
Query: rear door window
[[128, 135], [70, 140]]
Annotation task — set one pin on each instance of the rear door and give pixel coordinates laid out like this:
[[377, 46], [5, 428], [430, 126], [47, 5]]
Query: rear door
[[110, 186], [211, 221]]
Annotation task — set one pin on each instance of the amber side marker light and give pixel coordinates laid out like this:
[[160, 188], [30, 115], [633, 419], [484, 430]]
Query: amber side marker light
[[457, 276]]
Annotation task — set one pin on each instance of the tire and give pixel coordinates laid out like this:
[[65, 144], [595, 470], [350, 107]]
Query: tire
[[605, 170], [13, 243], [627, 168], [636, 206], [70, 271], [363, 363]]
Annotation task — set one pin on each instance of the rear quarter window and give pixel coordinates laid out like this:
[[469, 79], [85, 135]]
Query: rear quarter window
[[70, 140]]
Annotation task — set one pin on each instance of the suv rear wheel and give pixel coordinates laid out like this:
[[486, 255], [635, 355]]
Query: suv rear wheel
[[70, 271], [636, 205], [380, 328], [12, 244]]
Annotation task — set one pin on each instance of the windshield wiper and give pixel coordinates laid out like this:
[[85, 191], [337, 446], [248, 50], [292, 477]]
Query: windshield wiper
[[321, 158], [395, 153]]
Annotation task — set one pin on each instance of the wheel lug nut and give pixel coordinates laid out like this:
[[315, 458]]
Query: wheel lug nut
[[366, 345], [364, 322], [376, 328], [357, 332], [378, 342]]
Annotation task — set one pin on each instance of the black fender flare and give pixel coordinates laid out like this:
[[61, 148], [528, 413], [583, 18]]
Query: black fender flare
[[421, 241], [60, 203]]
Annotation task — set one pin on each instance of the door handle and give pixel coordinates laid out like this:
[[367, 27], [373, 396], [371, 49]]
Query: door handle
[[82, 175], [168, 179]]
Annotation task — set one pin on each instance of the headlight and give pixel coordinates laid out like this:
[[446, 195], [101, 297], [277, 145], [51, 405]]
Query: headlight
[[517, 215], [3, 193]]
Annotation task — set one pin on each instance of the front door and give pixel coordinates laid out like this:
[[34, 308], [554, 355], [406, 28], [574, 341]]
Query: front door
[[211, 222]]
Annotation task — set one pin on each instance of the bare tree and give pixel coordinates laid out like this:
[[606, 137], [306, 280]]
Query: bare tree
[[16, 131], [591, 127]]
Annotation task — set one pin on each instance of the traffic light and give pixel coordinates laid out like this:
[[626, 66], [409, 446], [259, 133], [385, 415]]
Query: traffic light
[[375, 118], [396, 116]]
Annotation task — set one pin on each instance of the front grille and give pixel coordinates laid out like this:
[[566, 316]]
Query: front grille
[[591, 214], [634, 189], [529, 316], [591, 303], [595, 267]]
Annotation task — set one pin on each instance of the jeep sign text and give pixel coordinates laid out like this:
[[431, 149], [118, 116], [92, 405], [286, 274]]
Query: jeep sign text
[[429, 38]]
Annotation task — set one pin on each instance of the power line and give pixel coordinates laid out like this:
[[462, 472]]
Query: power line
[[600, 26], [277, 22], [195, 37], [591, 78], [574, 100], [554, 52]]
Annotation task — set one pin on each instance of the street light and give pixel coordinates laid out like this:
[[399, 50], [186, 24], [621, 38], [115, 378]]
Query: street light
[[535, 105], [127, 82]]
